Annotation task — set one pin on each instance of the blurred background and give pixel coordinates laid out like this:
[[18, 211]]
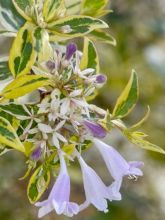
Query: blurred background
[[139, 28]]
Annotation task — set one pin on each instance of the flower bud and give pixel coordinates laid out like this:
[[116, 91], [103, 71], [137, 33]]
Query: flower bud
[[70, 50], [101, 78], [95, 129], [36, 154]]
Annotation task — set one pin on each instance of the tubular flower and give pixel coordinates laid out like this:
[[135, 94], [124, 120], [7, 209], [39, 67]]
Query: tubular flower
[[117, 165], [95, 190], [59, 196]]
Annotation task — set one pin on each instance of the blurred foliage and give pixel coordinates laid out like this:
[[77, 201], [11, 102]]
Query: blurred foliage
[[139, 28]]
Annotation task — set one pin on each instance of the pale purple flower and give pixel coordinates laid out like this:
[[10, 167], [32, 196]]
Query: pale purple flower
[[95, 129], [95, 190], [70, 50], [59, 196], [117, 165]]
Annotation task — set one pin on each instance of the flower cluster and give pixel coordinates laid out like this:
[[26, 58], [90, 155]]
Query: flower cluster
[[47, 86], [65, 118]]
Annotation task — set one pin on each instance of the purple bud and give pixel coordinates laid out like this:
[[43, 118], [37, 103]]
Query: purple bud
[[96, 129], [50, 65], [70, 50], [36, 154], [101, 78]]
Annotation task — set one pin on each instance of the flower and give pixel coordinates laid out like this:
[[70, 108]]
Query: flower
[[117, 165], [101, 78], [36, 153], [95, 190], [56, 136], [70, 50], [95, 129], [59, 196]]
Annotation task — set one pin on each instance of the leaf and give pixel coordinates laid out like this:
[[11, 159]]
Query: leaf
[[73, 6], [103, 36], [23, 7], [94, 7], [90, 58], [9, 16], [22, 54], [52, 9], [4, 69], [42, 44], [14, 109], [128, 98], [38, 183], [24, 85], [137, 139], [8, 136], [5, 33], [76, 26]]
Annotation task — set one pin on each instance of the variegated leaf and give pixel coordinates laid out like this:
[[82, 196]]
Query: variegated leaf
[[52, 9], [76, 26], [73, 7], [23, 7], [14, 109], [90, 58], [42, 44], [38, 183], [4, 69], [103, 36], [94, 7], [22, 54], [128, 97], [24, 85], [9, 137], [9, 17], [137, 138], [5, 33]]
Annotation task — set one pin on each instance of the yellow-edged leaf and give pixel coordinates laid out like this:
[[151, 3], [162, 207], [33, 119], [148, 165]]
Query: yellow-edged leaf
[[94, 7], [24, 85], [76, 26], [22, 53], [9, 137], [23, 7], [137, 138], [128, 97], [90, 58], [38, 183], [52, 9]]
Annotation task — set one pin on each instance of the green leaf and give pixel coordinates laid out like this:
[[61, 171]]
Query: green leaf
[[76, 26], [9, 17], [5, 33], [22, 54], [103, 37], [14, 109], [94, 7], [137, 138], [42, 44], [90, 58], [24, 85], [4, 69], [8, 136], [23, 7], [38, 183], [52, 9], [128, 98]]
